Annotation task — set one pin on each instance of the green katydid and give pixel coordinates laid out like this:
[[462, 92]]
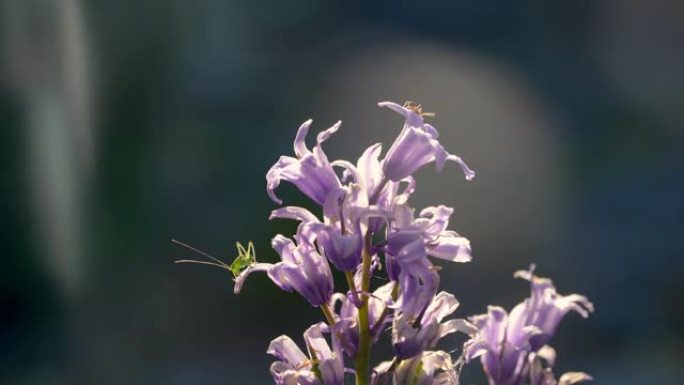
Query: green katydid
[[245, 257]]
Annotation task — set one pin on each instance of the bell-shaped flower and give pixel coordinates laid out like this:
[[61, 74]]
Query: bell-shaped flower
[[505, 341], [413, 336], [323, 366], [544, 309], [342, 250], [427, 368], [410, 241], [310, 170], [432, 224], [541, 370], [302, 268], [346, 214], [407, 263], [403, 248], [416, 146], [368, 174], [293, 366], [346, 316], [503, 363]]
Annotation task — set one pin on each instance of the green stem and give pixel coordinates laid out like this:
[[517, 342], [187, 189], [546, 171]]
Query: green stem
[[362, 359], [350, 281], [328, 314], [363, 354]]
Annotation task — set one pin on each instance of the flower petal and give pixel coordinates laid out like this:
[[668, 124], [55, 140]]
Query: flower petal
[[240, 279], [287, 351], [300, 148], [295, 213]]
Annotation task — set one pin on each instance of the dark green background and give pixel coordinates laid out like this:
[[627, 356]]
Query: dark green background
[[570, 112]]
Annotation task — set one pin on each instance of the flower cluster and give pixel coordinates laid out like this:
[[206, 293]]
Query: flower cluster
[[365, 228], [513, 347]]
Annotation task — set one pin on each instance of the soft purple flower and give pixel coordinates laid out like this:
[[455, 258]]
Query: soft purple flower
[[417, 285], [432, 224], [368, 174], [416, 146], [544, 309], [346, 319], [310, 171], [428, 368], [407, 263], [412, 336], [324, 367], [340, 236], [293, 366], [342, 250], [504, 342], [380, 191], [403, 248], [541, 370], [504, 363], [302, 268], [346, 213]]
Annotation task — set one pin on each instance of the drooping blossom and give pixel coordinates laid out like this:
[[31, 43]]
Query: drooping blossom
[[416, 146], [302, 268], [346, 318], [427, 368], [310, 170], [409, 243], [323, 366], [432, 224], [379, 190], [541, 369], [412, 336], [346, 214], [545, 308], [407, 263], [411, 240], [505, 341]]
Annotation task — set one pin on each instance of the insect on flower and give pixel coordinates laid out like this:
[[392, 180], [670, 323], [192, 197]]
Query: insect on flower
[[368, 201], [418, 109], [245, 258]]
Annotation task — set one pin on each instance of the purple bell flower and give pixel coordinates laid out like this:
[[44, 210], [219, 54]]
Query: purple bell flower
[[346, 325], [379, 191], [427, 368], [310, 171], [412, 336], [368, 174], [293, 366], [505, 341], [346, 216], [541, 369], [431, 224], [323, 367], [409, 243], [545, 308], [302, 269], [407, 263], [416, 146], [403, 248], [411, 240]]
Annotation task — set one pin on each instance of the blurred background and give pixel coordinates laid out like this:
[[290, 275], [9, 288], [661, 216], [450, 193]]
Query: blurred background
[[128, 123]]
